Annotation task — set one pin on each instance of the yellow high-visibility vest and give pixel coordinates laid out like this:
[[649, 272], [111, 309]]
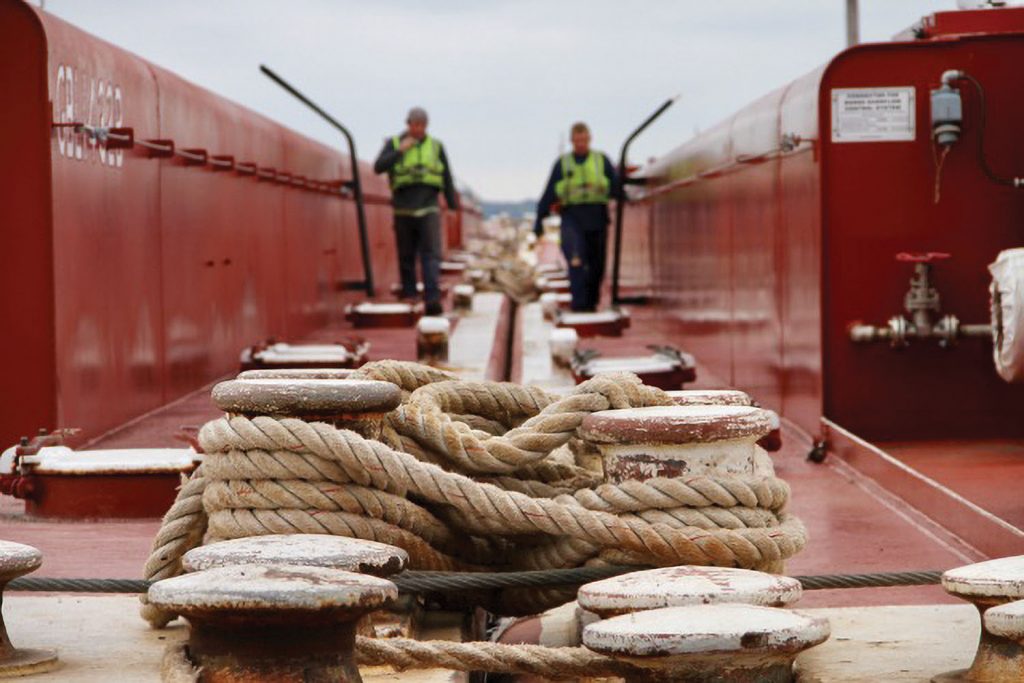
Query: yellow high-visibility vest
[[421, 164], [583, 183]]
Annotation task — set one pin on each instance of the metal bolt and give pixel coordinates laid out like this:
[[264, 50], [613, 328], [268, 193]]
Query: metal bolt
[[307, 550], [17, 560], [672, 441], [278, 623], [725, 643], [685, 586], [988, 585], [359, 405]]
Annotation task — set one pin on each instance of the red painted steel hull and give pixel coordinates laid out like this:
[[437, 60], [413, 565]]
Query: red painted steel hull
[[129, 280], [762, 257]]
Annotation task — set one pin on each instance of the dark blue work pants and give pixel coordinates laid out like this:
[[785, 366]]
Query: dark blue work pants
[[419, 235], [584, 244]]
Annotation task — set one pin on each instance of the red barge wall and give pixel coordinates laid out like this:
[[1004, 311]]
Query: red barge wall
[[762, 253], [128, 280]]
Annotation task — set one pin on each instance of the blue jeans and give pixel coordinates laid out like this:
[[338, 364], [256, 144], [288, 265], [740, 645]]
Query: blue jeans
[[585, 248], [419, 235]]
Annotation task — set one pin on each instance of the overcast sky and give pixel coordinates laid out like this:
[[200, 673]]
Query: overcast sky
[[502, 80]]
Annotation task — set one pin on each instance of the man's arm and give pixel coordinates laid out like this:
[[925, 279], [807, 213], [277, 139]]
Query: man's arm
[[547, 199], [387, 158], [615, 184], [451, 197]]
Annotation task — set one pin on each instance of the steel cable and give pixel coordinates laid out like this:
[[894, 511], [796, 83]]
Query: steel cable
[[437, 582]]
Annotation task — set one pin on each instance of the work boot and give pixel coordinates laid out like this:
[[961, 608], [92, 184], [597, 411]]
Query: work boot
[[434, 308]]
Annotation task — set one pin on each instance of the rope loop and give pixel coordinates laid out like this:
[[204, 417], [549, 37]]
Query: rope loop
[[475, 476]]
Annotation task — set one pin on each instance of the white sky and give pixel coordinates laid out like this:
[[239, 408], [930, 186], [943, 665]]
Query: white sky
[[502, 80]]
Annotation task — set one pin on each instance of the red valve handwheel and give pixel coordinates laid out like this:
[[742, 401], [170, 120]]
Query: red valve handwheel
[[921, 257]]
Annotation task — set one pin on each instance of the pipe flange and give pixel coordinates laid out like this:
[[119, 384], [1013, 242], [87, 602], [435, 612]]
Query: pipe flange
[[899, 331]]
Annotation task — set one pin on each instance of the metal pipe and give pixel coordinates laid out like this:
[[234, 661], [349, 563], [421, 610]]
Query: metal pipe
[[976, 330], [356, 184], [621, 200], [852, 23], [899, 331]]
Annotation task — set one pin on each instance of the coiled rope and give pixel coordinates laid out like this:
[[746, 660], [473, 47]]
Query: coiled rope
[[459, 498]]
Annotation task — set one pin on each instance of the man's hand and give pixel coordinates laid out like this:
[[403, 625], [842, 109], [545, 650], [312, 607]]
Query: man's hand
[[406, 143]]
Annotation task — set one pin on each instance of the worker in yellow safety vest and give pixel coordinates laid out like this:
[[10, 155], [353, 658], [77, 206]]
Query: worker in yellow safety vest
[[418, 170], [581, 183]]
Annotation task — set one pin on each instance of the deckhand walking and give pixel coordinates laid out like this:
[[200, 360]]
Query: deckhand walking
[[418, 170], [581, 184]]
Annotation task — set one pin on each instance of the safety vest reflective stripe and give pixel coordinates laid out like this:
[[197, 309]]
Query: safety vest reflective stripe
[[421, 164], [584, 183]]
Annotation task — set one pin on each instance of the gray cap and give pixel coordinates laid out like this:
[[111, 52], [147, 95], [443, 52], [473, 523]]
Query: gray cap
[[416, 114]]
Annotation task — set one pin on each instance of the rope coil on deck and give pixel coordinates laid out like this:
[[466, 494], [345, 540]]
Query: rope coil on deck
[[453, 496]]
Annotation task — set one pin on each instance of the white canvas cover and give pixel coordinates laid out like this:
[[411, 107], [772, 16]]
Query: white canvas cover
[[1008, 314]]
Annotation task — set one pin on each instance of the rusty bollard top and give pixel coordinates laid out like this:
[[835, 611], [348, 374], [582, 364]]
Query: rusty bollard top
[[672, 441], [308, 550], [260, 594], [994, 582], [17, 560], [306, 397], [710, 397], [676, 424], [709, 642], [297, 373], [729, 397], [682, 586], [1007, 621]]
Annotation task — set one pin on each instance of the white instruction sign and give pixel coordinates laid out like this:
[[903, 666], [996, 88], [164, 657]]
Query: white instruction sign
[[873, 114]]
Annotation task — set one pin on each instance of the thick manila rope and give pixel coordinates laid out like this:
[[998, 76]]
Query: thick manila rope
[[551, 663], [402, 654], [261, 488], [243, 452], [267, 448], [426, 418], [407, 375], [184, 525]]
